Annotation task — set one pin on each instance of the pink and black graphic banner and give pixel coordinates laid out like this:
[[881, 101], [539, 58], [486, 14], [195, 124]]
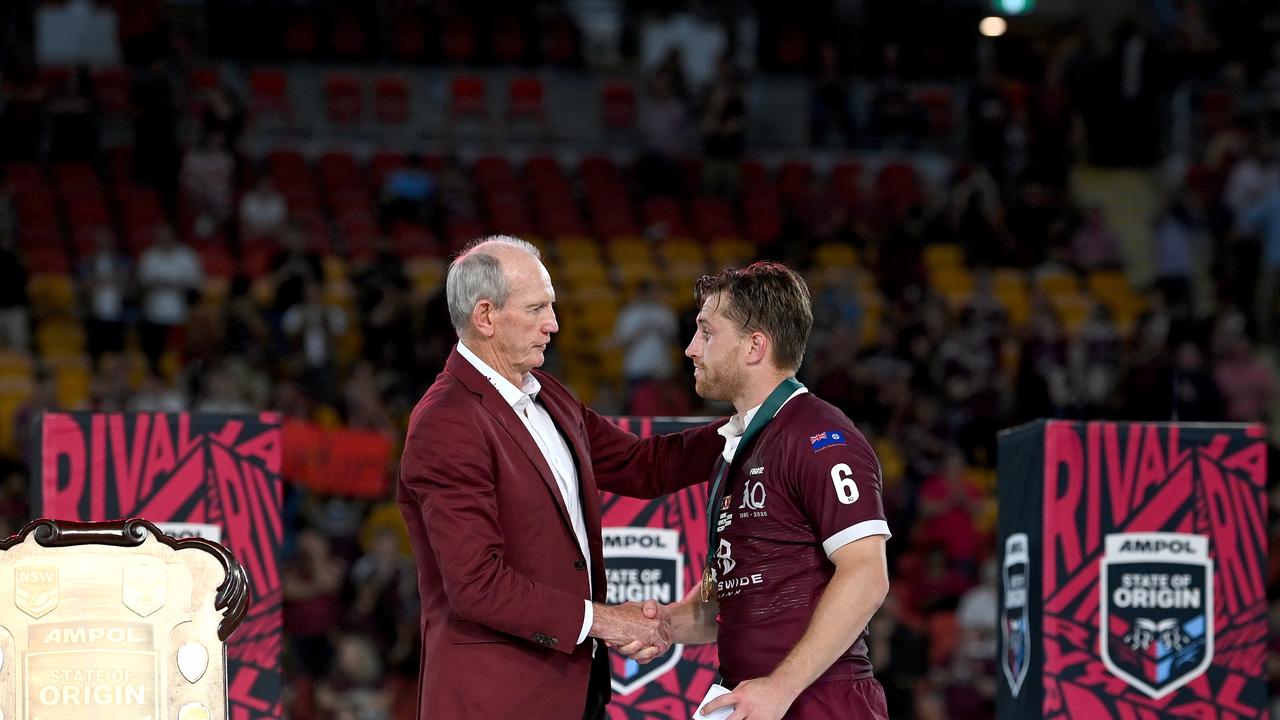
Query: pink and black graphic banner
[[214, 476], [1133, 560], [656, 549]]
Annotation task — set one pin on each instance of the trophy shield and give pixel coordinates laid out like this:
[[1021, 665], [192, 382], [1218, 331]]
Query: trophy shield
[[115, 621]]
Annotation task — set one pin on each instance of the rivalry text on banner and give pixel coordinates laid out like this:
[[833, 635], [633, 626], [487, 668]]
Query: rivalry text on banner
[[1146, 559], [215, 476]]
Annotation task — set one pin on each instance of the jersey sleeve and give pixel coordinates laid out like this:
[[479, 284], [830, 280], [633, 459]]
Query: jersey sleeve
[[837, 483]]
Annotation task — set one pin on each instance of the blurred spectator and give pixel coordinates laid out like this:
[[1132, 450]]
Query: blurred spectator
[[15, 308], [222, 394], [207, 177], [1248, 384], [263, 211], [355, 688], [646, 331], [1180, 246], [295, 267], [831, 111], [73, 120], [1195, 392], [312, 584], [900, 655], [169, 273], [664, 126], [949, 505], [408, 191], [23, 108], [155, 121], [1094, 246], [313, 327], [724, 118], [221, 112], [155, 395], [1264, 219], [105, 279]]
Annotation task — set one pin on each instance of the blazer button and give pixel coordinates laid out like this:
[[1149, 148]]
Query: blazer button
[[580, 564]]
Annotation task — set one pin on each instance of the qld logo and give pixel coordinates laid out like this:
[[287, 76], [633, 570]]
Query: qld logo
[[1014, 618], [642, 564], [1157, 609]]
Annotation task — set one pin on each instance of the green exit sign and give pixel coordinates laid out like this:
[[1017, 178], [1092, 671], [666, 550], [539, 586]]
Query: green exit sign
[[1013, 7]]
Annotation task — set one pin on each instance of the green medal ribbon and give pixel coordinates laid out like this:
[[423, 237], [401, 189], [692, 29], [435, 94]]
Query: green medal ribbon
[[767, 411]]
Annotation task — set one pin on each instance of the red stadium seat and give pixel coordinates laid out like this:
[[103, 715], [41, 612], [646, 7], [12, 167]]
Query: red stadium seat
[[348, 37], [460, 232], [618, 105], [411, 240], [381, 165], [300, 36], [846, 183], [343, 98], [467, 97], [508, 41], [111, 88], [391, 99], [713, 218], [666, 213], [794, 179], [458, 40], [559, 40], [408, 40], [493, 172], [524, 98], [268, 94]]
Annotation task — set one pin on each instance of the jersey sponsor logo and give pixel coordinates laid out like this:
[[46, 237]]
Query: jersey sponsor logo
[[642, 563], [824, 440], [724, 557], [1156, 609], [753, 496], [1015, 620], [756, 470]]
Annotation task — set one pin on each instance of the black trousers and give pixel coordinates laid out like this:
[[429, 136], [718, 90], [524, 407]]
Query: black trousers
[[598, 687]]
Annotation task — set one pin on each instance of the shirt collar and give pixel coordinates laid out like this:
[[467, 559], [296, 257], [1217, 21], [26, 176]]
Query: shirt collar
[[516, 397], [738, 423]]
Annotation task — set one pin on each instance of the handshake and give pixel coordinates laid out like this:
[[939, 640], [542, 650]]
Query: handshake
[[640, 631]]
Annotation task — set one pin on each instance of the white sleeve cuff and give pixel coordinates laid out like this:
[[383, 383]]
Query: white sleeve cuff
[[866, 528], [587, 619]]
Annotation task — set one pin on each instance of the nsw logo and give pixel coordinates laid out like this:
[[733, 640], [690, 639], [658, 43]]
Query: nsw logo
[[1156, 609], [824, 440], [1014, 619], [641, 564]]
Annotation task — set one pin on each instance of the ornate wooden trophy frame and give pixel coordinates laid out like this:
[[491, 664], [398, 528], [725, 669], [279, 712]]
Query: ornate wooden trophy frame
[[115, 621]]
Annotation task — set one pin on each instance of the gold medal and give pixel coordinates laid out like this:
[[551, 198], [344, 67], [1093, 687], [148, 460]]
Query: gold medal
[[708, 584]]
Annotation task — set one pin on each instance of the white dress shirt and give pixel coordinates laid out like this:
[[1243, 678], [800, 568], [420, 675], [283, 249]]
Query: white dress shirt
[[554, 449], [732, 431]]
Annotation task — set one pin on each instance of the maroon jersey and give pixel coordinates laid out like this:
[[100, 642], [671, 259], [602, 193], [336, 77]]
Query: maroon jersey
[[809, 484]]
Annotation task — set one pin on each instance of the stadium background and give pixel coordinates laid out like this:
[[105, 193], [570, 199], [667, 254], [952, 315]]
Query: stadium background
[[224, 206]]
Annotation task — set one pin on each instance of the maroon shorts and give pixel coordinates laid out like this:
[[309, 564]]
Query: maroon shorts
[[840, 699]]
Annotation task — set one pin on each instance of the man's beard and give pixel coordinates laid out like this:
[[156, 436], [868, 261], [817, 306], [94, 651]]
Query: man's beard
[[723, 385]]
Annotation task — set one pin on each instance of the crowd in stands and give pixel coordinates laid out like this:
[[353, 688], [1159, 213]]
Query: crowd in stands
[[182, 274]]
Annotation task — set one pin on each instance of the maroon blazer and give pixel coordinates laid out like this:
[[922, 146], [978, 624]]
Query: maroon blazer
[[500, 574]]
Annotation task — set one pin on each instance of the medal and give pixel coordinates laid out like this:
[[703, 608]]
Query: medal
[[708, 584]]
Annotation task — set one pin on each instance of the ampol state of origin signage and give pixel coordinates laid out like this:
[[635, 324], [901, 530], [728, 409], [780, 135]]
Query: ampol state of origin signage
[[210, 476], [1134, 558]]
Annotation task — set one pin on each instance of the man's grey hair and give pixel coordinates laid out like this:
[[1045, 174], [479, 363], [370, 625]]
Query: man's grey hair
[[476, 275]]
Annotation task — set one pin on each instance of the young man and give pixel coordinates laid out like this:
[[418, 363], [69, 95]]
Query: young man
[[796, 560]]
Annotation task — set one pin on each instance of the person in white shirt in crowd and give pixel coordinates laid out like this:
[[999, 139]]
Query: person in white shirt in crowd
[[105, 277], [263, 211], [169, 273], [647, 330]]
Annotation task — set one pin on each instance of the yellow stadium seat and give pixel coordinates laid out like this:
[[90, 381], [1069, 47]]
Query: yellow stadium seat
[[629, 249], [52, 293], [71, 377], [1073, 310], [943, 255], [835, 255], [583, 273], [1058, 283], [14, 393], [60, 337], [426, 275], [731, 252], [14, 364], [682, 251], [576, 247], [335, 268], [954, 284]]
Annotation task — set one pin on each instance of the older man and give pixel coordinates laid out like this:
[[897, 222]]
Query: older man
[[499, 487]]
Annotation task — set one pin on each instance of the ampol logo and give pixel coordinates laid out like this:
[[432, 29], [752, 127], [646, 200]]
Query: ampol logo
[[1156, 624], [642, 564], [1014, 618]]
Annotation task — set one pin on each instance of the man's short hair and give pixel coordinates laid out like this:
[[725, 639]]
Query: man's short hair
[[476, 275], [768, 297]]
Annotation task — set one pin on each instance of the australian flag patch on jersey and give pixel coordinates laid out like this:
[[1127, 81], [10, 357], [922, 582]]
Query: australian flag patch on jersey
[[826, 439]]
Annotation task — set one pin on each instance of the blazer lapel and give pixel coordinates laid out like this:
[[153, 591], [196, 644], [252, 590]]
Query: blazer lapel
[[492, 402]]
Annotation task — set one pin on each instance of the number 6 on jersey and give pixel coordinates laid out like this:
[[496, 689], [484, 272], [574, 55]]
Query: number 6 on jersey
[[846, 488]]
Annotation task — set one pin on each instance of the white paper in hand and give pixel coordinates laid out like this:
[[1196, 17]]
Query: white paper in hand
[[716, 691]]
